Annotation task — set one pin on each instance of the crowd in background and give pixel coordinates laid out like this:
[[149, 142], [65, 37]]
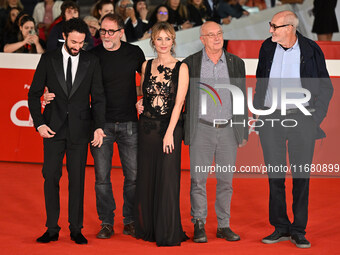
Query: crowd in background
[[35, 26]]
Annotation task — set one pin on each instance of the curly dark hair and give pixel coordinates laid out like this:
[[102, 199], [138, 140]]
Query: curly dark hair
[[74, 24]]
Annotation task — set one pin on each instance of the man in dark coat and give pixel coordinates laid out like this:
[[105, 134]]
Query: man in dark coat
[[290, 62]]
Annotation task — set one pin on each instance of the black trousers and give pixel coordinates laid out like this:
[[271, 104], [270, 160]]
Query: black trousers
[[76, 154], [299, 140]]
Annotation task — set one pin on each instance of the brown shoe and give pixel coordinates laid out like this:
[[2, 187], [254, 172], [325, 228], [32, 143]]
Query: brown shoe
[[129, 229], [227, 234], [106, 232]]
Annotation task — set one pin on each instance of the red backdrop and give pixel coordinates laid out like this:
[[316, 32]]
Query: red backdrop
[[21, 143]]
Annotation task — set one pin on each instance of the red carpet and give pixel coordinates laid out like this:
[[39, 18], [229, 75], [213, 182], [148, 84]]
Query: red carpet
[[22, 218]]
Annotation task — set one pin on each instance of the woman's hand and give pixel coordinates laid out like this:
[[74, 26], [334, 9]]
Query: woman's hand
[[139, 106], [28, 40], [168, 143], [35, 39]]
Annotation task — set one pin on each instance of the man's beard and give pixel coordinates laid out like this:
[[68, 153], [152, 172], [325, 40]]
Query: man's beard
[[109, 45], [69, 50]]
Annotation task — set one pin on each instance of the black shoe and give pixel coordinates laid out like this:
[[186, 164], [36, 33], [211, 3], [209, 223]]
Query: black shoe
[[106, 232], [300, 241], [227, 234], [46, 237], [199, 232], [129, 229], [276, 237], [78, 238]]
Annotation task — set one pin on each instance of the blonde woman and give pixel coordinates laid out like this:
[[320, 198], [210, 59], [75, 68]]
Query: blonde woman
[[164, 84]]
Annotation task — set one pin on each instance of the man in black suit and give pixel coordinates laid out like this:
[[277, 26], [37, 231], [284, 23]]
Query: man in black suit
[[74, 76]]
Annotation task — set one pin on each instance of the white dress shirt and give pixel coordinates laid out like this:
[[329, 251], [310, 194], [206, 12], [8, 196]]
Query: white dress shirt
[[74, 60]]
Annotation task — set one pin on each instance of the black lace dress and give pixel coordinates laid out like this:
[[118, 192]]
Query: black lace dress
[[158, 179]]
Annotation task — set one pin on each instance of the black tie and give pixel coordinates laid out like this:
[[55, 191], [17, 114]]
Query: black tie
[[69, 75], [273, 3]]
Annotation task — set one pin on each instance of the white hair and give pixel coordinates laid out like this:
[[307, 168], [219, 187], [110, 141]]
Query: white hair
[[120, 2]]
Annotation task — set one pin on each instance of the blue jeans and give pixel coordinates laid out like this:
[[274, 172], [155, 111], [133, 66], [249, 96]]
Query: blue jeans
[[125, 134]]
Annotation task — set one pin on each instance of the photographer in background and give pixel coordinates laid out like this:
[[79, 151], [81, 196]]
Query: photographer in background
[[133, 26], [27, 40]]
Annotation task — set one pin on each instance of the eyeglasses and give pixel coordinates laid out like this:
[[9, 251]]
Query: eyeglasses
[[212, 35], [111, 32], [163, 13], [276, 27]]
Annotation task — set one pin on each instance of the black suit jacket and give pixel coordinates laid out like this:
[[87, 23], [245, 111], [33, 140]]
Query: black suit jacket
[[85, 100]]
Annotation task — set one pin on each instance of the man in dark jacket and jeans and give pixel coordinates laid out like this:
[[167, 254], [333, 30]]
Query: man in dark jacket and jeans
[[291, 68]]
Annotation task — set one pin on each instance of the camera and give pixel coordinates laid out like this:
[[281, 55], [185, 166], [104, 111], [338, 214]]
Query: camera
[[32, 32]]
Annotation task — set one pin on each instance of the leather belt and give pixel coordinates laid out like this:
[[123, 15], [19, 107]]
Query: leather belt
[[211, 124]]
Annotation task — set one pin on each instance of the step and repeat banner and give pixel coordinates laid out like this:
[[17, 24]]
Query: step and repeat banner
[[19, 141]]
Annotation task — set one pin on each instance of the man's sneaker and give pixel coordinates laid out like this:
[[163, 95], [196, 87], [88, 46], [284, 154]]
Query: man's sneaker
[[276, 237], [106, 232], [300, 241], [199, 232]]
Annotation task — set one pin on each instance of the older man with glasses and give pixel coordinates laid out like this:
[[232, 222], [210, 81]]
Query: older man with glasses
[[290, 61], [208, 128]]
